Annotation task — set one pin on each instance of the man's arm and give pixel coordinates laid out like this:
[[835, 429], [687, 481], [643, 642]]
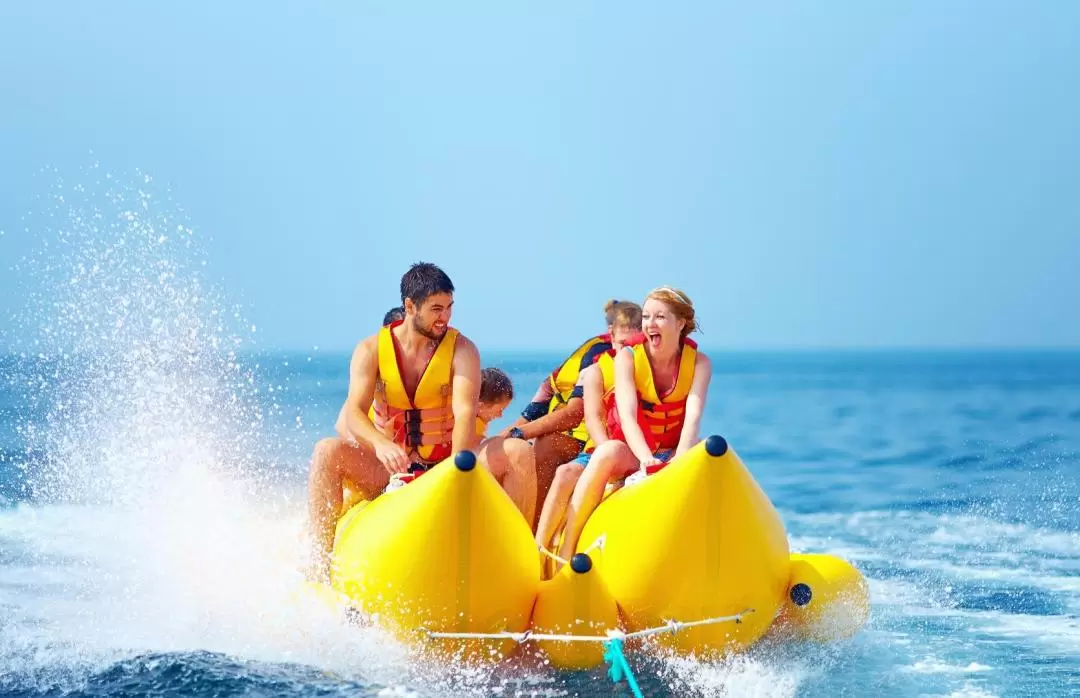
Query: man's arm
[[537, 406], [570, 416], [466, 394], [363, 372], [561, 419], [536, 421], [544, 391], [695, 403], [595, 419]]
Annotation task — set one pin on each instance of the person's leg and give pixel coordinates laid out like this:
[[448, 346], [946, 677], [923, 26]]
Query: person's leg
[[558, 498], [610, 459], [333, 461], [551, 451], [512, 463]]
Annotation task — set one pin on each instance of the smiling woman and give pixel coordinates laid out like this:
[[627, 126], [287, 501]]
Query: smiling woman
[[654, 413]]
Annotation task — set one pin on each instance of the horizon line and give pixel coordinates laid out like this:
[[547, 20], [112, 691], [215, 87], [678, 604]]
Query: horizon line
[[793, 348], [254, 348]]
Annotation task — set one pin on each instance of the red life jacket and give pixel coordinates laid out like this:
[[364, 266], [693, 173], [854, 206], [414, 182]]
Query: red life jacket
[[660, 418], [422, 423]]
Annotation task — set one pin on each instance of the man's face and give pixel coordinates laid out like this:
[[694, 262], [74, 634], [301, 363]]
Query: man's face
[[432, 317]]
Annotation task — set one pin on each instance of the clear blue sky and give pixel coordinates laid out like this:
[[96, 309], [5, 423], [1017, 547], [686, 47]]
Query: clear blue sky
[[812, 174]]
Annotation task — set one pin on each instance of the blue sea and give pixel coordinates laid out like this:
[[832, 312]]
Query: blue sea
[[948, 478], [152, 498]]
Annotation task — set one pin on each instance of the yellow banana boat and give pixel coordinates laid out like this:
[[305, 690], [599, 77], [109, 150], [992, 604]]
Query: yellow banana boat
[[695, 556]]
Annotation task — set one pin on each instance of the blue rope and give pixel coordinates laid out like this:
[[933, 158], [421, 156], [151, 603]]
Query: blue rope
[[620, 668]]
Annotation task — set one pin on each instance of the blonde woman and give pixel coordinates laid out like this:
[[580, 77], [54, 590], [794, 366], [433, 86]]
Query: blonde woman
[[655, 411]]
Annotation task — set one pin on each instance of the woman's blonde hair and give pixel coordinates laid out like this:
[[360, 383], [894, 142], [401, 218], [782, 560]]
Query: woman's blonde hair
[[679, 303], [626, 313]]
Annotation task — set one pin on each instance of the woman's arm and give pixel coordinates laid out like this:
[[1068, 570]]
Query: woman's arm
[[695, 403], [626, 401]]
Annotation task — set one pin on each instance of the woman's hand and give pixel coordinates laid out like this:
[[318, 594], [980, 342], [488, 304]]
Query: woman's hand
[[643, 470], [647, 463]]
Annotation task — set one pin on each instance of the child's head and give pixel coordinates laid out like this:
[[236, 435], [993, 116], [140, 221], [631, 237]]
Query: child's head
[[496, 392], [624, 321], [393, 315]]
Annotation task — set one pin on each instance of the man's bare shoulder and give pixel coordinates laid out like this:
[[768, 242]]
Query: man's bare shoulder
[[366, 347], [465, 345]]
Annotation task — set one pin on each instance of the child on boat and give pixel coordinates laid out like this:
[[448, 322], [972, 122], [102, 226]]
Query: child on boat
[[654, 412]]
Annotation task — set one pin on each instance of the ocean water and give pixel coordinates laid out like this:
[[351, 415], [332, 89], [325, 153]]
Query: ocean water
[[949, 479], [152, 494]]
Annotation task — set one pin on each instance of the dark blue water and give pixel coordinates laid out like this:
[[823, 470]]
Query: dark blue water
[[146, 548]]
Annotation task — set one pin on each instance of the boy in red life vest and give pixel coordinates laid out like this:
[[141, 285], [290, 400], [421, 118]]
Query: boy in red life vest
[[554, 419], [654, 413], [596, 383]]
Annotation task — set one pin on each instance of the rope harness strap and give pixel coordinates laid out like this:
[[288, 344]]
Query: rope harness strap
[[613, 641]]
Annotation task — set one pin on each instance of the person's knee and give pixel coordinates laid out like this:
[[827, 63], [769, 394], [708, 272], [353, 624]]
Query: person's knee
[[518, 450], [336, 459], [325, 453], [567, 474], [492, 454], [520, 457], [607, 450], [324, 447]]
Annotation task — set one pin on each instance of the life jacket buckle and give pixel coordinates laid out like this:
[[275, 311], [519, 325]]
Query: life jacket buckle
[[411, 422]]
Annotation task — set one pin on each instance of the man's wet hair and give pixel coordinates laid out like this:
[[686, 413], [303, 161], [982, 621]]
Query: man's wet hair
[[424, 279], [495, 385], [393, 315]]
